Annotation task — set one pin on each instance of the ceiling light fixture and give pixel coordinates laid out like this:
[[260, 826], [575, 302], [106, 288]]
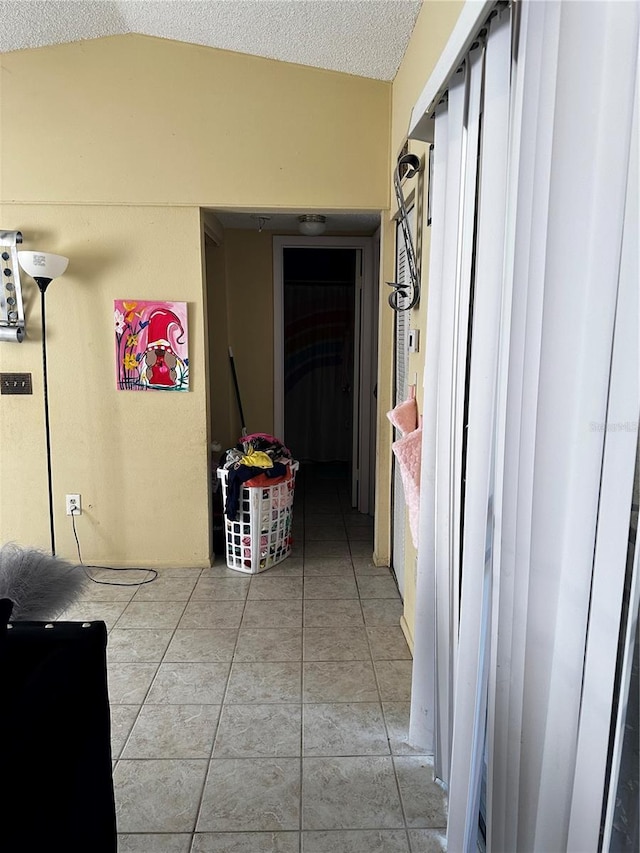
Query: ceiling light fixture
[[312, 224]]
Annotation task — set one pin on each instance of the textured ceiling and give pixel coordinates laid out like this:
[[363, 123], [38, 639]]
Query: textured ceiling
[[363, 37]]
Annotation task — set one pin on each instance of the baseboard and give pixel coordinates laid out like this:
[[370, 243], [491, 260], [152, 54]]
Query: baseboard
[[407, 633], [143, 564]]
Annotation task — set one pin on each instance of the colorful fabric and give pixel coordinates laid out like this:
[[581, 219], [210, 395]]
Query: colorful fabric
[[254, 455], [257, 459], [266, 480]]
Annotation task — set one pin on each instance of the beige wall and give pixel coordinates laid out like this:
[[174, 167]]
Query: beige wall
[[250, 294], [223, 417], [141, 134], [150, 121], [430, 34], [138, 459], [433, 27]]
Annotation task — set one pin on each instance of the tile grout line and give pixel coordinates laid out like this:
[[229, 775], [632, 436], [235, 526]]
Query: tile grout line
[[224, 704], [384, 718], [151, 683], [217, 727], [142, 705], [197, 811]]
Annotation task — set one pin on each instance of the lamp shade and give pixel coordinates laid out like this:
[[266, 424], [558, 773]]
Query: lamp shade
[[42, 264], [312, 224]]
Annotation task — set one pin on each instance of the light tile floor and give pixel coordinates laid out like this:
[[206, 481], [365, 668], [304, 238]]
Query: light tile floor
[[268, 714]]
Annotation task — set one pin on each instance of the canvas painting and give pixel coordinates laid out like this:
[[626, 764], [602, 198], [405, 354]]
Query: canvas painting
[[151, 345]]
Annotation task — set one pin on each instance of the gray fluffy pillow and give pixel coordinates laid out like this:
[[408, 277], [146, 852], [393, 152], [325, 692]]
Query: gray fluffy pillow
[[40, 586]]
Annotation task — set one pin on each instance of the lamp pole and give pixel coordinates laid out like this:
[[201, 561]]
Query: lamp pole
[[43, 267], [43, 283]]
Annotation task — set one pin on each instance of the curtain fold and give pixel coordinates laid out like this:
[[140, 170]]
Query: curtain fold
[[479, 460], [509, 635], [446, 562], [584, 223], [423, 718], [612, 588], [529, 180]]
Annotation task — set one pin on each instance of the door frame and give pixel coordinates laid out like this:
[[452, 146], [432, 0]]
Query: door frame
[[363, 390]]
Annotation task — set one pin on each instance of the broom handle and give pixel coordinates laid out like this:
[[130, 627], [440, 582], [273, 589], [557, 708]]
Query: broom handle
[[236, 386]]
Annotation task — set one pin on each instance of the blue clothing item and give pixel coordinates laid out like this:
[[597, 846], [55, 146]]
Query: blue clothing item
[[238, 475]]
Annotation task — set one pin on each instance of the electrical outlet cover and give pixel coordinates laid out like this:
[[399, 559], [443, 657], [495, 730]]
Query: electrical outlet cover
[[74, 507]]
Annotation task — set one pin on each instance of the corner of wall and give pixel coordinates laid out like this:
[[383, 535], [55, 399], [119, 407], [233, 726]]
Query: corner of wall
[[431, 32]]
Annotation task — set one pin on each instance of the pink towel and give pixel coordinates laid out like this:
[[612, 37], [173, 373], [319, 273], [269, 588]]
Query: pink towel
[[405, 416], [408, 451]]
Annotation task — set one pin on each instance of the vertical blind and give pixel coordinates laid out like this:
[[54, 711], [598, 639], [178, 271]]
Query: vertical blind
[[532, 355]]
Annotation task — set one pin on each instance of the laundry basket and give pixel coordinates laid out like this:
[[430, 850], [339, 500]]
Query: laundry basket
[[261, 535]]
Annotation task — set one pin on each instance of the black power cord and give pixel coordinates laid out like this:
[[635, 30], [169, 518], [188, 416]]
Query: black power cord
[[152, 572]]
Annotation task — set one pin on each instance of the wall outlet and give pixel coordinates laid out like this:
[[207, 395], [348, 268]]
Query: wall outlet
[[74, 507]]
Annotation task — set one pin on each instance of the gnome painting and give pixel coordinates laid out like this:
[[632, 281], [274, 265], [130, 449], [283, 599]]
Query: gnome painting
[[151, 345]]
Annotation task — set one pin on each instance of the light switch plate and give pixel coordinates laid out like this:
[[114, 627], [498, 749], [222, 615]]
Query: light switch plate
[[15, 383]]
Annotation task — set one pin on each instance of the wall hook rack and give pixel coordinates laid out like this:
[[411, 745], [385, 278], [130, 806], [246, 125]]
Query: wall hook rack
[[11, 306], [405, 295]]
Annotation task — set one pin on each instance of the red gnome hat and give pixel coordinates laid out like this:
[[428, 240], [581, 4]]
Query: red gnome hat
[[161, 321]]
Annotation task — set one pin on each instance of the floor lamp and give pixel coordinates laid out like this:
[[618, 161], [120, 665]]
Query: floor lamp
[[43, 267]]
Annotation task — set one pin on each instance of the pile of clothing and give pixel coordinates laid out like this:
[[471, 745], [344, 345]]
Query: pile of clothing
[[257, 460]]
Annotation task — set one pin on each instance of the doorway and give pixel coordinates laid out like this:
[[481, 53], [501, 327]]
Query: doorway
[[324, 357], [319, 309]]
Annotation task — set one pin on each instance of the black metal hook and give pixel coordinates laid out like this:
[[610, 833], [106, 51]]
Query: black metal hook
[[410, 291]]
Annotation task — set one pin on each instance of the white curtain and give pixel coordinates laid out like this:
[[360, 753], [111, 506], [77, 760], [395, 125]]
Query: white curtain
[[423, 721], [579, 179], [461, 154], [510, 641], [478, 530], [609, 587]]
